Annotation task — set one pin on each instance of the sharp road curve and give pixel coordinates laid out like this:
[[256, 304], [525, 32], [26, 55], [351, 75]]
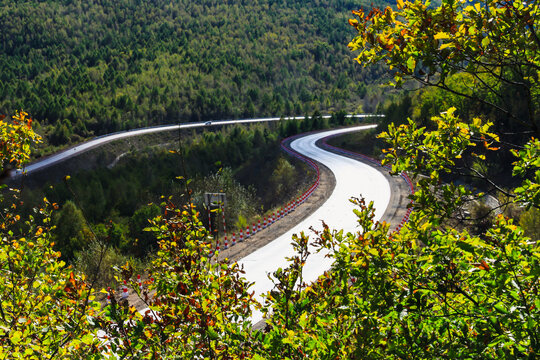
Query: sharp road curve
[[353, 178]]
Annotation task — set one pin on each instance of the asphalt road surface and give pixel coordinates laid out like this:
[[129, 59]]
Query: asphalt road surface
[[353, 179], [80, 148]]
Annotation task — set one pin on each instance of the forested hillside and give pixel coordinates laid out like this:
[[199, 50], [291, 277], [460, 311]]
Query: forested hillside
[[85, 68], [448, 283]]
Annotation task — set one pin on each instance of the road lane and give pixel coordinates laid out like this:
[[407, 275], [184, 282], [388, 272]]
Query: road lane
[[353, 178]]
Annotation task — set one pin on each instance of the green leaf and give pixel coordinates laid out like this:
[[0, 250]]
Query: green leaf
[[465, 246], [411, 63], [500, 308], [446, 45], [212, 334], [258, 357], [87, 339]]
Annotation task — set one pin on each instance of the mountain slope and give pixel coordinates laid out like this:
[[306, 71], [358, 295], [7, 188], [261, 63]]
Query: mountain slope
[[92, 67]]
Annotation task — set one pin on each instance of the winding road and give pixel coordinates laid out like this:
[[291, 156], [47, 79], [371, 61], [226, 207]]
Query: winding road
[[353, 178]]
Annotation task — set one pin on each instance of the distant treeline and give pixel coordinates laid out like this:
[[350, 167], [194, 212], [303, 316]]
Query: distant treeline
[[91, 67]]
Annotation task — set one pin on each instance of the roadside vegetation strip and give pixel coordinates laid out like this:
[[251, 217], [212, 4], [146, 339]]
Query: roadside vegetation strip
[[353, 154]]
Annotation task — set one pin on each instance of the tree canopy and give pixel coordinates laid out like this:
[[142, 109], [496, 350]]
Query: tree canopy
[[88, 68], [495, 43], [433, 290]]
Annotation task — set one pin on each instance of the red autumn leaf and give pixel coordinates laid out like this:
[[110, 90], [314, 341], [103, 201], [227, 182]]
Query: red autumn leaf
[[483, 266], [72, 279]]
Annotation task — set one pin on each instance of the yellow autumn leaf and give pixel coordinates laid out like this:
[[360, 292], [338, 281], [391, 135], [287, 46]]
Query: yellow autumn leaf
[[400, 4], [15, 337], [441, 35], [447, 45]]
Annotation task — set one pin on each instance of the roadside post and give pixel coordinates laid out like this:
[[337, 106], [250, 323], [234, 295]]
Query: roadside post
[[213, 202]]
